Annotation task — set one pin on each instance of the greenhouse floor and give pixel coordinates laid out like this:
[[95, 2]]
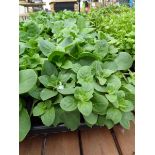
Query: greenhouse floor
[[96, 141]]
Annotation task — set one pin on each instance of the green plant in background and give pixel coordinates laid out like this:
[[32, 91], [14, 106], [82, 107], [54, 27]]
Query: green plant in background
[[69, 71], [119, 23]]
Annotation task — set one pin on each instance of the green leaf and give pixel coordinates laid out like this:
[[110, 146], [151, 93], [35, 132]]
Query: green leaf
[[113, 84], [64, 76], [91, 119], [39, 109], [114, 114], [44, 79], [83, 94], [24, 124], [67, 65], [84, 76], [124, 61], [120, 94], [111, 98], [58, 26], [56, 56], [85, 107], [126, 118], [111, 65], [22, 47], [45, 46], [66, 42], [35, 92], [53, 81], [113, 50], [48, 117], [71, 119], [68, 103], [130, 88], [27, 80], [76, 67], [81, 24], [47, 94], [101, 80], [49, 69], [100, 104], [101, 49], [114, 80], [58, 99], [99, 88], [126, 106], [66, 91], [103, 121]]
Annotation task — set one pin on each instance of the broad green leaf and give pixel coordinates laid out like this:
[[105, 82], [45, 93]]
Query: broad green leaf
[[48, 117], [107, 72], [81, 23], [96, 67], [56, 56], [67, 65], [120, 94], [114, 114], [126, 106], [83, 94], [27, 80], [66, 42], [76, 67], [44, 79], [99, 88], [111, 65], [100, 104], [49, 69], [70, 22], [66, 91], [22, 47], [58, 116], [47, 94], [130, 88], [53, 81], [45, 46], [101, 80], [85, 107], [58, 99], [68, 103], [91, 119], [101, 49], [64, 76], [86, 31], [124, 61], [24, 124], [39, 109], [58, 26], [111, 98], [35, 92], [113, 50], [103, 121], [84, 76], [114, 80], [113, 84], [126, 118], [71, 119]]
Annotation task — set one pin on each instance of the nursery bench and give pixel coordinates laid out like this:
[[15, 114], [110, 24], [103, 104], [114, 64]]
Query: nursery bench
[[95, 141]]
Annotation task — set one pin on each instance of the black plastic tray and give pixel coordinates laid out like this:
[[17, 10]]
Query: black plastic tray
[[60, 128]]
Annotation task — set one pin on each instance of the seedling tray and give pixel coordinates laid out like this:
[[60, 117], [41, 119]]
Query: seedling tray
[[60, 128], [39, 128]]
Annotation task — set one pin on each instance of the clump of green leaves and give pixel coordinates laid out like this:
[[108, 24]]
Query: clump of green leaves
[[68, 71], [119, 23]]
